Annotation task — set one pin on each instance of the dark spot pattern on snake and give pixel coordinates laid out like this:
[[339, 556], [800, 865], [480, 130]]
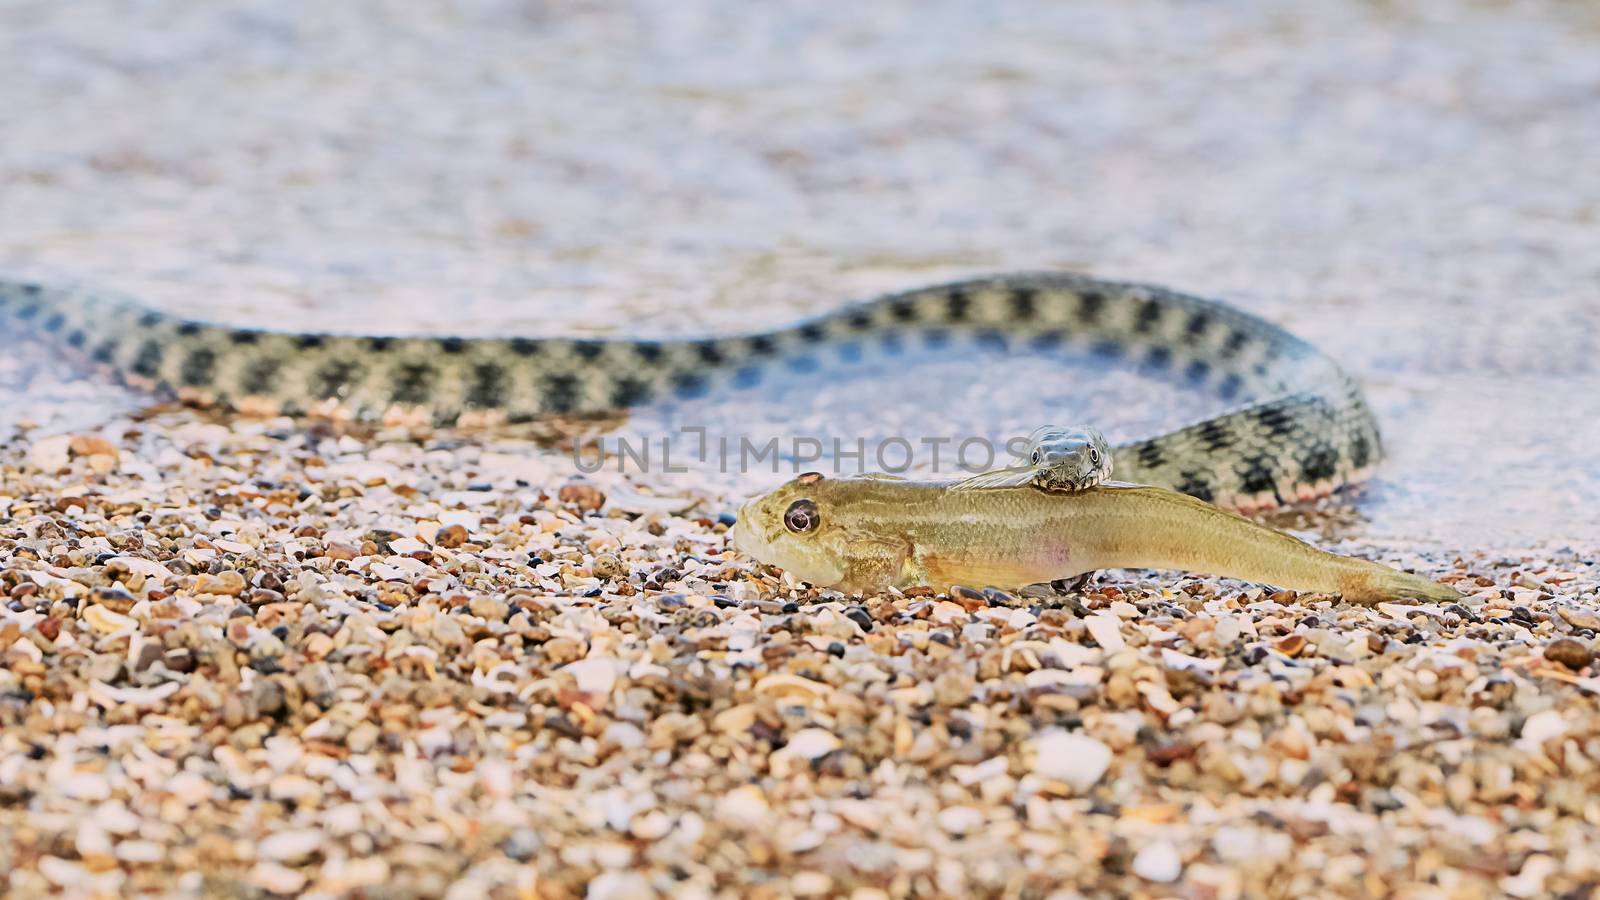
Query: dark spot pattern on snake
[[260, 376], [710, 353], [331, 378], [630, 391], [413, 383], [1319, 463], [1255, 476], [1024, 303], [560, 393], [1322, 433], [488, 387], [148, 361], [197, 367], [1149, 315], [1215, 436], [957, 305], [1194, 485]]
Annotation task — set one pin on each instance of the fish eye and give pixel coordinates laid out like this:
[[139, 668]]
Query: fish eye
[[801, 517], [1036, 457], [1094, 456]]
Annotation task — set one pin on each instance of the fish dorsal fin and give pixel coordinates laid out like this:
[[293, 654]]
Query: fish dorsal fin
[[999, 478]]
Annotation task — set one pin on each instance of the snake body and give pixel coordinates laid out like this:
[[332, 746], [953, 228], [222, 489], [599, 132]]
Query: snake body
[[1297, 427]]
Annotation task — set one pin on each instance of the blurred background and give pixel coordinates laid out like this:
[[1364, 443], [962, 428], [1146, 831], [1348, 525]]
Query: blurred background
[[1411, 186]]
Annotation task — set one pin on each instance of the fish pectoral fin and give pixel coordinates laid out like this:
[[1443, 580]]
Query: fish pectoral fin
[[875, 563], [999, 478]]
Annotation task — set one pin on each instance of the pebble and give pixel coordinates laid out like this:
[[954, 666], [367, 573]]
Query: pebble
[[585, 497], [1570, 652], [1072, 758], [52, 453], [1158, 862], [1106, 629], [104, 621], [745, 807]]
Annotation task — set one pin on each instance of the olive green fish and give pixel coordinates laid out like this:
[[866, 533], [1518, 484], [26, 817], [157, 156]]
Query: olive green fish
[[865, 534]]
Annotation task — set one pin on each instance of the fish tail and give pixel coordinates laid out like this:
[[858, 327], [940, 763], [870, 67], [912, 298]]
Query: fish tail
[[1374, 583]]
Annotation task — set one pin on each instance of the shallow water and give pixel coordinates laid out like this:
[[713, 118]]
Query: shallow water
[[1404, 187]]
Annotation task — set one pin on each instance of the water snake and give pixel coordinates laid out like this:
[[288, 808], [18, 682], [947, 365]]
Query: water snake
[[1297, 426]]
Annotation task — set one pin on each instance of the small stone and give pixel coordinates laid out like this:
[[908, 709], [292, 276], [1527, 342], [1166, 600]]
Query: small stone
[[341, 550], [146, 567], [451, 536], [227, 583], [563, 650], [1570, 652], [142, 654], [811, 884], [51, 454], [1158, 862], [595, 675], [584, 496], [969, 599], [86, 786], [1106, 629], [1579, 618], [783, 684], [745, 807], [860, 616], [268, 696], [812, 743], [486, 607], [618, 885], [1076, 759], [290, 846], [1291, 645], [277, 879], [1542, 726], [735, 719], [91, 445], [607, 565], [263, 597], [317, 645], [960, 820], [105, 621]]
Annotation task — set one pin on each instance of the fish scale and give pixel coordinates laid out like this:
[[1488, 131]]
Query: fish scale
[[1298, 427]]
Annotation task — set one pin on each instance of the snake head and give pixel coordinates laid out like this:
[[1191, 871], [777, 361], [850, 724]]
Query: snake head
[[1069, 458]]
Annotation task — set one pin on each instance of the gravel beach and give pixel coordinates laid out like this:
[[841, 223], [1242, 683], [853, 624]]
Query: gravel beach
[[253, 656]]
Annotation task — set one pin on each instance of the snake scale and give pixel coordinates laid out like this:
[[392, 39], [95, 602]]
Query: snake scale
[[1297, 427]]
